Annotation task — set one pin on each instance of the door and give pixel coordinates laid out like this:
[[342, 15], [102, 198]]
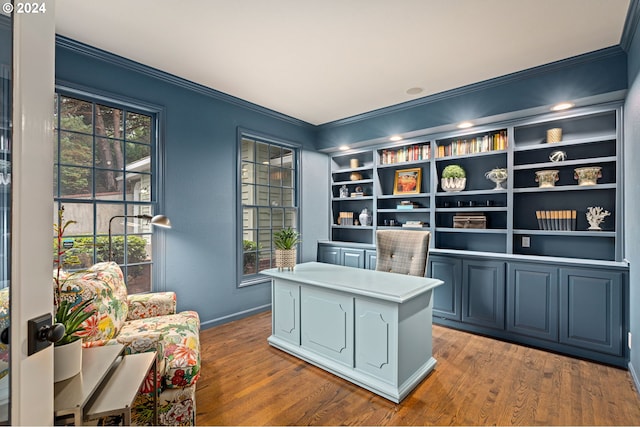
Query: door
[[352, 257], [329, 254], [32, 205], [483, 293], [447, 297]]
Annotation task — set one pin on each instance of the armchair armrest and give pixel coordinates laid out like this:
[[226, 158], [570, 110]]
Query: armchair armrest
[[154, 304]]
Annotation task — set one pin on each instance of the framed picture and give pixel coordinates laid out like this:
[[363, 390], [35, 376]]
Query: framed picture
[[407, 181]]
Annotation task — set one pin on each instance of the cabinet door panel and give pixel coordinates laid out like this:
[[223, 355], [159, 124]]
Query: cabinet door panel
[[483, 293], [352, 257], [532, 300], [371, 257], [286, 307], [327, 323], [447, 297], [591, 309], [329, 254]]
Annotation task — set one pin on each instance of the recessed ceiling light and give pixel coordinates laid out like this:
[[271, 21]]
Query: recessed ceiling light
[[395, 138], [343, 147], [464, 125], [414, 90], [562, 106]]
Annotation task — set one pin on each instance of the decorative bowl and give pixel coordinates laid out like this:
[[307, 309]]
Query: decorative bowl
[[588, 175], [498, 176], [547, 178]]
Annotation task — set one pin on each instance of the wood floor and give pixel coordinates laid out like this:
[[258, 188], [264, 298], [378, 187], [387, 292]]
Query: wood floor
[[477, 381]]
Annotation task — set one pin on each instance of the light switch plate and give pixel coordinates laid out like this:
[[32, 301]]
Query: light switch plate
[[526, 241]]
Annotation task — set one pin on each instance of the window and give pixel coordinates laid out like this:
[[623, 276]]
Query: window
[[104, 166], [269, 200]]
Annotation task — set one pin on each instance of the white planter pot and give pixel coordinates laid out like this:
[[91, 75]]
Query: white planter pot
[[453, 184], [67, 360]]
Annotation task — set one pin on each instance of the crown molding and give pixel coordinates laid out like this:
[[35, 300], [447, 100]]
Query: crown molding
[[486, 84], [630, 25], [128, 64]]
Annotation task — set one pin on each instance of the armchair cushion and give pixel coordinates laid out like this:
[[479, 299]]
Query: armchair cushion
[[151, 305]]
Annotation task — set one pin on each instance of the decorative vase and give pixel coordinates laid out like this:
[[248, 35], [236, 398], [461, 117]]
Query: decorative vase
[[498, 176], [547, 178], [554, 135], [365, 217], [286, 258], [67, 360], [453, 185], [588, 175], [355, 176]]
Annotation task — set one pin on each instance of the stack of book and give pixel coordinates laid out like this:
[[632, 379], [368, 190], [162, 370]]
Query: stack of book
[[411, 153], [406, 204], [345, 218], [491, 142], [413, 224], [564, 220]]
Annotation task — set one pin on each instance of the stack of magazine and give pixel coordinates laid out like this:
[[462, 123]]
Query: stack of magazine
[[564, 220]]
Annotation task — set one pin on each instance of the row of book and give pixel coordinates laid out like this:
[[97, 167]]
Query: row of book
[[564, 220], [345, 218], [491, 142], [411, 153]]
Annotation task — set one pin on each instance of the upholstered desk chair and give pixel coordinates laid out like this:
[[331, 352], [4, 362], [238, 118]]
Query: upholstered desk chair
[[402, 251]]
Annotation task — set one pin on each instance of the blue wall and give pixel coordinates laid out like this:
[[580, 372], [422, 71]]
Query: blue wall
[[632, 190], [200, 131]]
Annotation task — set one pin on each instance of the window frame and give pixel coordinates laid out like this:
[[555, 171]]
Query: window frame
[[157, 113], [244, 280]]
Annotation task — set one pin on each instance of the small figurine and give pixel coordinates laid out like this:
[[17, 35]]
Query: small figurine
[[558, 156], [344, 191], [595, 216]]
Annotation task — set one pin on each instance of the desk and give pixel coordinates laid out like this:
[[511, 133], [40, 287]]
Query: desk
[[369, 327]]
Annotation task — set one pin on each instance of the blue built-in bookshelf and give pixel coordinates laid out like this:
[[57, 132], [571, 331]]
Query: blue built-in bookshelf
[[590, 137]]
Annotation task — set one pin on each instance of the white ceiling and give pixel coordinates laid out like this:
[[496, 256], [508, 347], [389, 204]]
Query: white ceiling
[[324, 60]]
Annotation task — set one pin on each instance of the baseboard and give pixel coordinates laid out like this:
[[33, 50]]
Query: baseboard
[[235, 316], [634, 377]]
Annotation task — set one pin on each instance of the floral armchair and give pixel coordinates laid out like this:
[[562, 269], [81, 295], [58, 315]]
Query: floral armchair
[[143, 322]]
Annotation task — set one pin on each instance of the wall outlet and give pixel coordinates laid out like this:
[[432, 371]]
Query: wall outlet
[[526, 241], [629, 340]]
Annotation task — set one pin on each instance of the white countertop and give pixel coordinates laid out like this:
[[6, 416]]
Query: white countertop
[[377, 284]]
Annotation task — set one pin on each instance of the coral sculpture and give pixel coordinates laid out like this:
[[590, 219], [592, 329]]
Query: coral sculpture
[[595, 216]]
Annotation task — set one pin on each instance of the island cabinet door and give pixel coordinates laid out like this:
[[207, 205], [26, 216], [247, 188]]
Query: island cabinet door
[[327, 323], [591, 309], [376, 338], [286, 311], [532, 300], [483, 293]]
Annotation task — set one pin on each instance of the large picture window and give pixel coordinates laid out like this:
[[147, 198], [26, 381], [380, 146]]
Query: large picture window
[[269, 200], [104, 158]]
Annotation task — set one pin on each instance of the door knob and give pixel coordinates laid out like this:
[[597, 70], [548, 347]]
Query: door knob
[[42, 333]]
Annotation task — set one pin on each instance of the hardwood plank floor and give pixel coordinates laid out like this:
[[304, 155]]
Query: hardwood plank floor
[[477, 381]]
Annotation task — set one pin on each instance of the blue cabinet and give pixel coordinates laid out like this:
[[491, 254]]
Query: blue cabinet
[[483, 284], [591, 309], [532, 300], [351, 257], [371, 257], [329, 254], [447, 299]]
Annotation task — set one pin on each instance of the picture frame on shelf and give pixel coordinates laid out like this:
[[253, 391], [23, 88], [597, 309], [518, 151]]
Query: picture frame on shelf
[[407, 181]]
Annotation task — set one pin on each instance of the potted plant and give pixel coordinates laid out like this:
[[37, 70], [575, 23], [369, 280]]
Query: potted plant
[[285, 242], [498, 176], [454, 178], [68, 349]]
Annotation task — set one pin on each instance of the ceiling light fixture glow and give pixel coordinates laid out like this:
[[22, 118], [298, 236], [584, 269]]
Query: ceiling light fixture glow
[[562, 106], [343, 147], [464, 125], [395, 138]]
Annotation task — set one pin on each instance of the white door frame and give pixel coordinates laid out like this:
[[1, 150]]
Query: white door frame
[[32, 212]]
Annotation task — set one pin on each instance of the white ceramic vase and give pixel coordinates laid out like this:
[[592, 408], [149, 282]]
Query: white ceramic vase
[[67, 360], [453, 184]]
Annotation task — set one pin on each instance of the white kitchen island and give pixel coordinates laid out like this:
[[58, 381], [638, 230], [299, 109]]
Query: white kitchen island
[[369, 327]]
